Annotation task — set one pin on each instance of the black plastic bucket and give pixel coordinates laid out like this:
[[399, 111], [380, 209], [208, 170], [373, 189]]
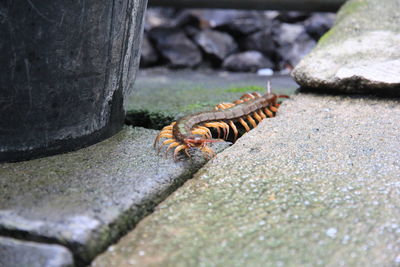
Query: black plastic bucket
[[65, 69]]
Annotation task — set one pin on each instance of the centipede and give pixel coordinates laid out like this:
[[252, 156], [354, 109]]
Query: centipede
[[199, 129]]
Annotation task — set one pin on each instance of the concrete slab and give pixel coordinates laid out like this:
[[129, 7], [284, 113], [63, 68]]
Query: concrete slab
[[359, 54], [316, 186], [163, 95], [16, 253], [87, 199]]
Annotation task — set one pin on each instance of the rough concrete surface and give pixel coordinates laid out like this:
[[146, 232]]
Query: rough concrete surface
[[359, 54], [86, 199], [316, 186], [15, 253], [162, 95]]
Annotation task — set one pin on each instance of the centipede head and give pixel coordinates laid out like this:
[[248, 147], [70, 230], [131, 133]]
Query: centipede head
[[196, 141]]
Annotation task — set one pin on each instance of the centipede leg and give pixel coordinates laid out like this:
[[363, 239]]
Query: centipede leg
[[252, 122], [268, 112], [208, 152], [215, 126], [225, 127], [262, 115], [199, 132], [174, 144], [166, 142], [247, 96], [209, 135], [187, 152], [235, 131], [177, 149], [273, 109], [166, 130], [223, 106], [239, 101], [257, 117], [245, 125]]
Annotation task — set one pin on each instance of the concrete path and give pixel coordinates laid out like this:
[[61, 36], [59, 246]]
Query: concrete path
[[85, 200], [316, 186], [18, 253]]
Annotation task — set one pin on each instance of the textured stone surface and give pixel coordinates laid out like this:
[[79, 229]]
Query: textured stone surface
[[317, 185], [359, 54], [162, 95], [16, 253], [86, 199], [65, 69]]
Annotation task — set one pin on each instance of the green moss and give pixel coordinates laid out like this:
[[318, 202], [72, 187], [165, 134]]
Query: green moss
[[326, 37], [350, 7], [244, 89], [195, 106]]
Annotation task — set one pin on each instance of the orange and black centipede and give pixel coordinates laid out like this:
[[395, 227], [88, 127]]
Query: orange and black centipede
[[194, 130]]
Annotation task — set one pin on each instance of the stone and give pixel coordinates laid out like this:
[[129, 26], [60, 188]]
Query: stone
[[240, 22], [15, 253], [318, 24], [85, 200], [247, 61], [176, 93], [191, 31], [292, 16], [186, 18], [216, 45], [65, 70], [291, 54], [176, 47], [316, 185], [286, 34], [261, 41], [148, 55], [157, 17], [360, 54], [293, 44]]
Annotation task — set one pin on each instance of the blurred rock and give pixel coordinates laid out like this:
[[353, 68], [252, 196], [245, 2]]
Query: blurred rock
[[291, 54], [217, 45], [176, 47], [149, 55], [261, 41], [191, 31], [185, 18], [318, 24], [286, 34], [293, 44], [247, 61], [239, 22], [156, 17], [220, 32], [292, 16]]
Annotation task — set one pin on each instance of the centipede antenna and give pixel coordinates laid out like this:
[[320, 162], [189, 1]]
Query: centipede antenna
[[269, 91]]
